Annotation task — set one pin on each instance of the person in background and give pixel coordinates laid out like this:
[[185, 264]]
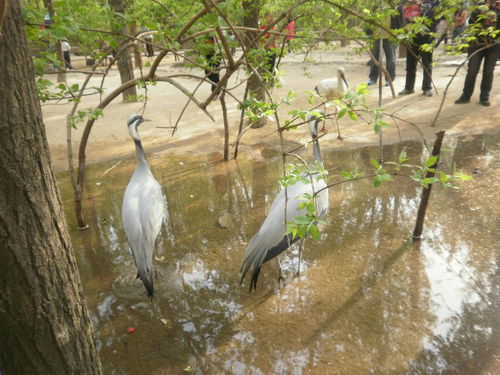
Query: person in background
[[149, 47], [291, 32], [485, 18], [412, 10], [460, 21], [66, 50], [390, 56], [269, 43], [442, 30], [213, 58]]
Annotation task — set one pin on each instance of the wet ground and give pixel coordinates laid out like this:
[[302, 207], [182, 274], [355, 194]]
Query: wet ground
[[368, 300]]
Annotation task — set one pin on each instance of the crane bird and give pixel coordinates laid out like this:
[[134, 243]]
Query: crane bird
[[143, 210], [333, 88], [270, 240]]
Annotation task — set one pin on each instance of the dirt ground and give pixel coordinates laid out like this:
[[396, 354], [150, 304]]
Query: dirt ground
[[198, 134]]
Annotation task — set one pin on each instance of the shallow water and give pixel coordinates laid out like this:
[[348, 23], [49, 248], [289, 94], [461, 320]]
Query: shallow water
[[368, 301]]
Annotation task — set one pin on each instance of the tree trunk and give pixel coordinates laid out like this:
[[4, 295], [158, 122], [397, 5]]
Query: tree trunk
[[45, 327], [124, 61], [255, 85], [426, 191]]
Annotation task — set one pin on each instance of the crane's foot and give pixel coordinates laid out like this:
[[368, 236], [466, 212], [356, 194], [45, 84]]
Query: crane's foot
[[281, 280], [339, 137]]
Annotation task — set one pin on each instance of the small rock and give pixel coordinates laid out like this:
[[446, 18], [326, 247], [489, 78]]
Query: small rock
[[225, 220]]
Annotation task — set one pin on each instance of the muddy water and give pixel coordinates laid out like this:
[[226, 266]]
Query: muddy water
[[367, 301]]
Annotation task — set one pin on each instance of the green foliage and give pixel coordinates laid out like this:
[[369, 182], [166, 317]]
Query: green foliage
[[83, 116]]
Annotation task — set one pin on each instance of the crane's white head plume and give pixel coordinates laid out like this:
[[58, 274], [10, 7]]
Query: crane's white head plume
[[133, 123]]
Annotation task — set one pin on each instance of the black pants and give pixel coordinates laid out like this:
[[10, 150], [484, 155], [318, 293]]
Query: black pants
[[213, 72], [390, 64], [269, 66], [67, 59], [149, 49], [412, 61], [490, 56]]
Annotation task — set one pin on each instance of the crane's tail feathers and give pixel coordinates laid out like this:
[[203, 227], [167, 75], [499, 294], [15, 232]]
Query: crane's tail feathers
[[147, 280], [255, 277]]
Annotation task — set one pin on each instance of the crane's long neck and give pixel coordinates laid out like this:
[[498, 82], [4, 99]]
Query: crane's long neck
[[140, 155], [316, 152]]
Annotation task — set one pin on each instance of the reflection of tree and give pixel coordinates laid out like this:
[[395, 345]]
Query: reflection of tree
[[472, 349]]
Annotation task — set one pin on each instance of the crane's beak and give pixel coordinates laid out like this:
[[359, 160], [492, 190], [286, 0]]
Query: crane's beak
[[343, 79], [146, 119]]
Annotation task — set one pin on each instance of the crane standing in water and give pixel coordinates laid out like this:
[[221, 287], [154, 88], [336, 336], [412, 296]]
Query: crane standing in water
[[143, 209], [270, 240]]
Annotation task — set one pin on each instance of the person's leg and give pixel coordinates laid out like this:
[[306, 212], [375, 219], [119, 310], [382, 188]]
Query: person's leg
[[390, 63], [427, 67], [375, 51], [67, 59], [411, 66], [472, 70], [490, 58]]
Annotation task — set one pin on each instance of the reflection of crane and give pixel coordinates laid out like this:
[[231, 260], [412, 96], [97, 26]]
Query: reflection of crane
[[333, 88], [270, 240], [143, 209]]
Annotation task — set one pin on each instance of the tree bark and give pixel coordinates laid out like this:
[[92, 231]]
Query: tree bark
[[45, 327], [426, 191], [124, 61], [255, 85]]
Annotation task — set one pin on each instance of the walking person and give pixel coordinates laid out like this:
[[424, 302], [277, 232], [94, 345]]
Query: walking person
[[486, 18], [269, 43], [66, 50], [148, 39], [411, 11], [460, 20], [390, 55], [291, 32], [213, 59]]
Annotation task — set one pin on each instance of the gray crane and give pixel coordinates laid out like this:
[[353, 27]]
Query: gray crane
[[270, 240], [143, 209]]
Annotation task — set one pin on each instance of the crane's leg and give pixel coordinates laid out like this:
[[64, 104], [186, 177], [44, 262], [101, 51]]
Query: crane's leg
[[339, 137], [281, 279], [300, 256]]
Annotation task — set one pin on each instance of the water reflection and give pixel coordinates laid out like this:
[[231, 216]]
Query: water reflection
[[367, 301]]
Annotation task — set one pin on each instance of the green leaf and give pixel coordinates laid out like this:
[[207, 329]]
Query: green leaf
[[342, 113], [314, 232], [377, 180], [431, 161], [375, 163], [352, 115]]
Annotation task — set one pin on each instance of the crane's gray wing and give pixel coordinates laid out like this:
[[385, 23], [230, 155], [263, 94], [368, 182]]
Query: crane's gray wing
[[142, 215], [270, 240]]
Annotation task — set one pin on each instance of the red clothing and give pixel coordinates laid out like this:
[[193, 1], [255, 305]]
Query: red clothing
[[291, 30], [267, 37]]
